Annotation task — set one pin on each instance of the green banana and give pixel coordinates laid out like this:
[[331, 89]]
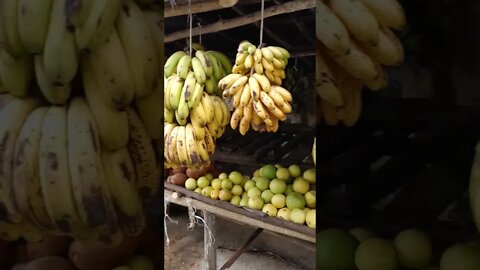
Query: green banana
[[211, 85], [169, 115], [183, 66], [183, 111], [86, 20], [206, 62], [54, 94], [16, 73], [33, 18], [196, 96], [9, 16], [106, 24], [172, 62], [176, 85], [217, 69], [199, 71], [224, 61]]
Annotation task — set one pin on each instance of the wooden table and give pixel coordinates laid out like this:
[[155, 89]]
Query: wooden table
[[212, 208]]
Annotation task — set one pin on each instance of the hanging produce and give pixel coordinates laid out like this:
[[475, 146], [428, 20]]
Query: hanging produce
[[255, 90], [194, 114], [354, 42], [80, 110]]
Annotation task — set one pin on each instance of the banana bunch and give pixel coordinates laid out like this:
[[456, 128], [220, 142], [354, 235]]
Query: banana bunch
[[355, 39], [191, 102], [254, 88], [182, 148], [58, 179]]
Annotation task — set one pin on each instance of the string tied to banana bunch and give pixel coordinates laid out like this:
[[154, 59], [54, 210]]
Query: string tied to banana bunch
[[255, 86], [195, 116]]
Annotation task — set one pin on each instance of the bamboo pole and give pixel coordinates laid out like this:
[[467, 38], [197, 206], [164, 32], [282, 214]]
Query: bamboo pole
[[221, 25], [199, 7]]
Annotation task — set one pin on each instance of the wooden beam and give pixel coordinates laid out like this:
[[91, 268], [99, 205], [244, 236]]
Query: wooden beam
[[199, 7], [242, 250], [210, 249], [220, 25]]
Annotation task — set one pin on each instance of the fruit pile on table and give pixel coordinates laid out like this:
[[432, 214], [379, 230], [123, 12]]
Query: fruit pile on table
[[281, 192]]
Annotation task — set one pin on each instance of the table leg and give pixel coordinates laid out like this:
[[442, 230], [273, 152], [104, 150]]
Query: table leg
[[210, 250]]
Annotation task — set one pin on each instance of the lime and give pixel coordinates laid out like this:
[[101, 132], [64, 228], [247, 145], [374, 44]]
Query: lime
[[254, 191], [225, 195], [295, 171], [311, 199], [278, 200], [283, 174], [297, 216], [295, 200], [311, 218], [255, 202], [267, 196], [414, 249], [336, 249], [236, 177], [289, 189], [362, 234], [227, 184], [216, 183], [269, 171], [191, 184], [376, 254], [235, 200], [461, 257], [269, 210], [261, 183], [237, 190], [278, 186], [284, 213], [310, 176], [301, 185]]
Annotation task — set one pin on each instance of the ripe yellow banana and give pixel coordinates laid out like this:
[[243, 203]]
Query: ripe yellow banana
[[226, 112], [181, 146], [112, 124], [170, 151], [110, 64], [209, 141], [217, 108], [267, 66], [245, 96], [236, 98], [287, 96], [199, 130], [258, 68], [167, 129], [270, 104], [236, 117], [330, 30], [175, 87], [55, 174], [207, 104], [249, 61], [244, 125], [277, 54], [33, 18], [396, 42], [357, 64], [385, 52], [168, 115], [86, 19], [202, 150], [16, 73], [139, 47], [183, 111], [197, 114], [388, 12], [228, 81], [86, 173], [150, 112], [55, 94], [213, 128], [358, 19], [156, 26], [196, 96], [267, 54], [197, 67], [263, 81], [380, 81], [206, 62], [120, 175], [325, 82], [14, 115], [60, 58], [26, 179], [106, 24], [143, 156], [183, 66], [191, 146], [166, 92], [254, 88], [171, 64]]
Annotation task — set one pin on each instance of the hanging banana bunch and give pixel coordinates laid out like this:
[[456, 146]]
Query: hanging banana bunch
[[255, 90], [194, 114], [354, 41]]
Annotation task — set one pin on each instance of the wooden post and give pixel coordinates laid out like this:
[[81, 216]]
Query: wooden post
[[210, 250]]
